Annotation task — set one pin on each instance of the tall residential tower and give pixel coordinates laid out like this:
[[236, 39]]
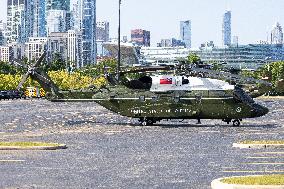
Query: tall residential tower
[[185, 33], [58, 16], [34, 19], [277, 34], [89, 47], [227, 29], [15, 18], [141, 37]]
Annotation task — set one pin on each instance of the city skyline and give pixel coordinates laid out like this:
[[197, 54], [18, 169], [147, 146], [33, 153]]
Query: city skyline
[[252, 20]]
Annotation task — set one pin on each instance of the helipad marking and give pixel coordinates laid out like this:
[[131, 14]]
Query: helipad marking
[[265, 157], [269, 153], [252, 133], [263, 163], [209, 131], [11, 160], [247, 171]]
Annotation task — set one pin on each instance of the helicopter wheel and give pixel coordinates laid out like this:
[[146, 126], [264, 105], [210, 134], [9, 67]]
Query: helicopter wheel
[[146, 122], [236, 123], [150, 122], [228, 121]]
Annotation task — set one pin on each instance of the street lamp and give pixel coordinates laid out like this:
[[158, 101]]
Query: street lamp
[[119, 53]]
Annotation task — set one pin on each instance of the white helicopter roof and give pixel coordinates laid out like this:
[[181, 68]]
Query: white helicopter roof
[[161, 83]]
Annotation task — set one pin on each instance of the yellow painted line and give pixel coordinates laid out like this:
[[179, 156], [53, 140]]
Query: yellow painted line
[[252, 133], [264, 157], [209, 131], [269, 153], [11, 160], [247, 171], [263, 163]]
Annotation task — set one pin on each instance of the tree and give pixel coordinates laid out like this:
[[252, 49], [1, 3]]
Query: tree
[[58, 64], [105, 66], [193, 58]]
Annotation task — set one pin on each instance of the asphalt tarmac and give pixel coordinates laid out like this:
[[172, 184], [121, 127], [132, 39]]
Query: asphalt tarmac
[[106, 150]]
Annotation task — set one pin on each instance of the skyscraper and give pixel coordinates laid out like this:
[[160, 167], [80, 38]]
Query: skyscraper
[[74, 48], [58, 5], [56, 21], [103, 31], [58, 16], [77, 15], [277, 34], [1, 38], [89, 47], [15, 10], [141, 37], [226, 31], [185, 33], [34, 19]]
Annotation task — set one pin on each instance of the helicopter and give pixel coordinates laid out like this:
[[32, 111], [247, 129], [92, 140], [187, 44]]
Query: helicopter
[[189, 94]]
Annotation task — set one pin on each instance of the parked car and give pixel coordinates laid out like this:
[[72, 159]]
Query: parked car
[[12, 94], [4, 95]]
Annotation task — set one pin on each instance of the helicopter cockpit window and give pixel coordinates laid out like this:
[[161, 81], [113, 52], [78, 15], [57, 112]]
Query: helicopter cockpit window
[[144, 82], [242, 96]]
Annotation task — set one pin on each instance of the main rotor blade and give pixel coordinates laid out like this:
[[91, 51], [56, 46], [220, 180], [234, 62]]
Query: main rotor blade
[[23, 80], [229, 76], [46, 82], [147, 69], [39, 60]]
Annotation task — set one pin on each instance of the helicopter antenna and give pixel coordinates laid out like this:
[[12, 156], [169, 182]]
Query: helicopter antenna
[[119, 50]]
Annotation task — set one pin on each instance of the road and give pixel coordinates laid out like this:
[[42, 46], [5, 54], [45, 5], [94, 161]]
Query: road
[[106, 150]]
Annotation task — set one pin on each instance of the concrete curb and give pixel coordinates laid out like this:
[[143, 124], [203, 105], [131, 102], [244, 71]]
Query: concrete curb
[[217, 184], [271, 97], [242, 146], [61, 146]]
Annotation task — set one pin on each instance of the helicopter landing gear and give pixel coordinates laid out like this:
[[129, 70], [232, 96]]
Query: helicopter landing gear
[[146, 121], [198, 121], [228, 121], [236, 122]]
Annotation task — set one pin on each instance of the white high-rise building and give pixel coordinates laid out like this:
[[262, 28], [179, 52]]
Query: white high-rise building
[[4, 54], [35, 47], [227, 29], [15, 18], [56, 21], [277, 34], [74, 46]]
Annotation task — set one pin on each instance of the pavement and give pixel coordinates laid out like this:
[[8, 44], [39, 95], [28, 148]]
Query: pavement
[[106, 150]]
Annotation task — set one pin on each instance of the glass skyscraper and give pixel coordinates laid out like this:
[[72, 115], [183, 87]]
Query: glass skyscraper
[[15, 9], [185, 33], [1, 38], [58, 5], [89, 48], [226, 31], [277, 34], [35, 18], [58, 16]]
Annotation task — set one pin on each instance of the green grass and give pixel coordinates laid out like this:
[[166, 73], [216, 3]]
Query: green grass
[[28, 144], [256, 180], [262, 142]]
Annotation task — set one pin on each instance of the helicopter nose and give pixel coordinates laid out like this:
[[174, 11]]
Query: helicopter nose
[[259, 110]]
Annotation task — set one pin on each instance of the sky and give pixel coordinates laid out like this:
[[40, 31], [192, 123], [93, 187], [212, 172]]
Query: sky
[[252, 20]]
